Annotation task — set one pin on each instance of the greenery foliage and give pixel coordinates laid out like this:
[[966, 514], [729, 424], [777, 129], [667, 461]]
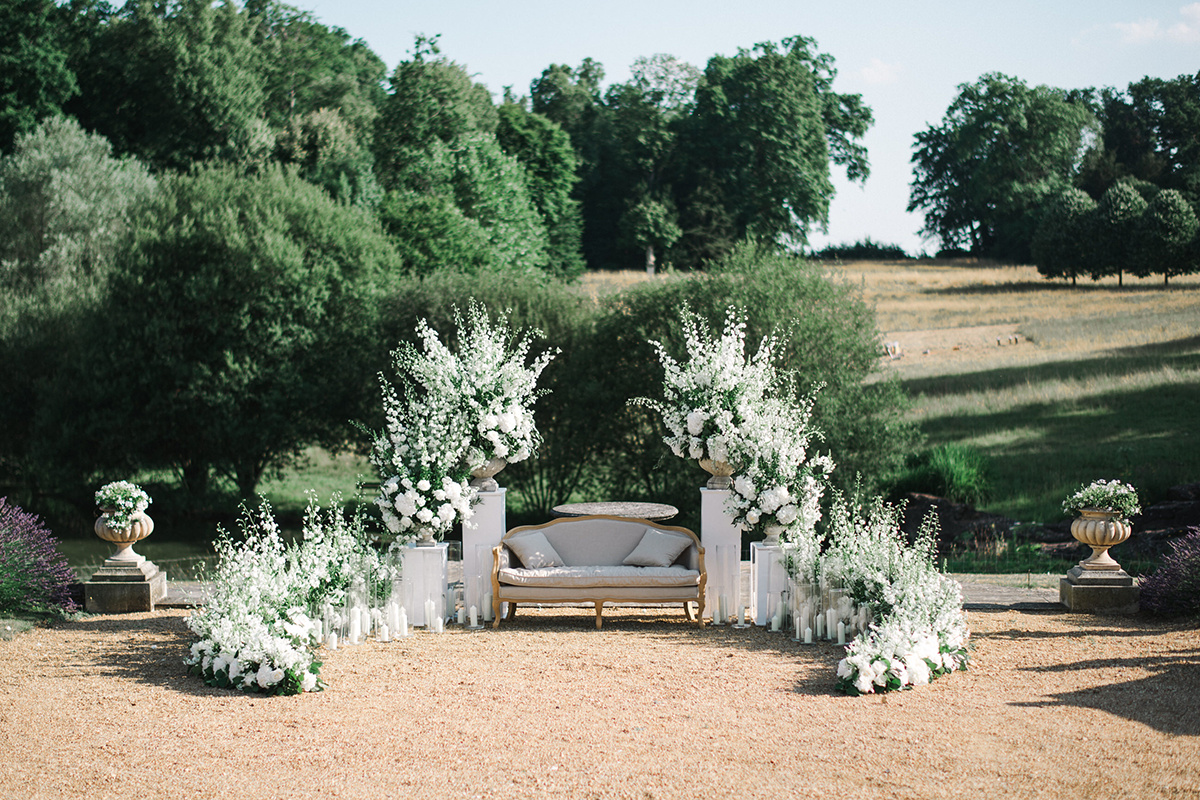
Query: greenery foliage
[[34, 575], [862, 250], [957, 472]]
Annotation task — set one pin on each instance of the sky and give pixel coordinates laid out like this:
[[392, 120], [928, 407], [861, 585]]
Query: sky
[[907, 59]]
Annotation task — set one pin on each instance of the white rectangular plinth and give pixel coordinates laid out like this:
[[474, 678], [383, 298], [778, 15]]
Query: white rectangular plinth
[[482, 533], [423, 578], [722, 541], [767, 579]]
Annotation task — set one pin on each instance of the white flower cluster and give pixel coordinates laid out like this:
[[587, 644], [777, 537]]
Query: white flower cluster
[[921, 631], [488, 377], [460, 409], [126, 500], [707, 400], [1113, 495], [779, 480], [256, 633]]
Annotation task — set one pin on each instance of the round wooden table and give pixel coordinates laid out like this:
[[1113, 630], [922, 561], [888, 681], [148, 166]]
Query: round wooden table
[[655, 512]]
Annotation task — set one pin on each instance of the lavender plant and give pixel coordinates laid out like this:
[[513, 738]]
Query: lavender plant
[[34, 575], [1173, 589]]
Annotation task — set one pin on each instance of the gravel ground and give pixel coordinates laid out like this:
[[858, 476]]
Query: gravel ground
[[1054, 705]]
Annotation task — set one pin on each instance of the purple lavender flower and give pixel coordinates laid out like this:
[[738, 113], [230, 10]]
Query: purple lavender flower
[[34, 575]]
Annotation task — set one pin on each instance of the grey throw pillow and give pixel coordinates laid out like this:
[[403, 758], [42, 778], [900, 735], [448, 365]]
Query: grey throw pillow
[[535, 551], [657, 549]]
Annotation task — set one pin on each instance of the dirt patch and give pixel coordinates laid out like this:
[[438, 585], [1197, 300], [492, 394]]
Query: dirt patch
[[1054, 705]]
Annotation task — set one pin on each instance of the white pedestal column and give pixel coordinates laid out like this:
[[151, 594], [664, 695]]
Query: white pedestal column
[[424, 578], [722, 541], [767, 579], [483, 532]]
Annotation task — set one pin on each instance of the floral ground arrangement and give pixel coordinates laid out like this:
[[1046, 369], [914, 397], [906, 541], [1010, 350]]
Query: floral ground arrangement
[[1054, 705]]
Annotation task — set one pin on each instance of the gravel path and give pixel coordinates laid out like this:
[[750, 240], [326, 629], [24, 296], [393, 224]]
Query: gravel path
[[1054, 705]]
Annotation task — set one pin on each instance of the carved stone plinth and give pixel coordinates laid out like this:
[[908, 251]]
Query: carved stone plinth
[[124, 586], [1099, 591]]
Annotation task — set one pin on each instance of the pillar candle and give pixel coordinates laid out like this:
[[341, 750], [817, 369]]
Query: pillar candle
[[331, 641], [487, 607], [439, 625], [808, 635], [402, 622], [830, 623], [462, 615], [355, 626], [474, 617], [776, 622], [819, 631], [385, 635], [797, 621], [429, 614], [841, 633]]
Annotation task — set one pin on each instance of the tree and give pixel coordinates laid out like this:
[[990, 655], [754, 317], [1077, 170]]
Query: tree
[[172, 83], [1116, 224], [543, 149], [1002, 150], [240, 326], [1061, 247], [35, 80], [328, 154], [64, 205], [765, 128], [1166, 237], [433, 100]]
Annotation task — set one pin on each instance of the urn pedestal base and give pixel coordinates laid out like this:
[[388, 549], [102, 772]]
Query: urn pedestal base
[[124, 587], [1099, 591]]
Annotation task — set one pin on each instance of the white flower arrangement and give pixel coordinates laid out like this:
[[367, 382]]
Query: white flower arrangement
[[779, 481], [487, 374], [708, 399], [257, 632], [920, 631], [1115, 496], [421, 455], [121, 501], [459, 410]]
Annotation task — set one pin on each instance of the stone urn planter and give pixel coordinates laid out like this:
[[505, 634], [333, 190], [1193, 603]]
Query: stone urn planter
[[772, 530], [1100, 529], [482, 478], [720, 472], [139, 528]]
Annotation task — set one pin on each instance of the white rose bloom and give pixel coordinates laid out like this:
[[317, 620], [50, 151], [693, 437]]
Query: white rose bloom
[[268, 677], [424, 515], [507, 423], [308, 683], [446, 512], [753, 516], [696, 451], [695, 422], [423, 485]]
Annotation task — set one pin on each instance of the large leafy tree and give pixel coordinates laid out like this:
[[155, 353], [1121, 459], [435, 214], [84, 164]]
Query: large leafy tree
[[172, 82], [1062, 244], [1166, 237], [240, 326], [35, 80], [759, 143], [1115, 227], [1002, 151], [543, 149], [64, 205]]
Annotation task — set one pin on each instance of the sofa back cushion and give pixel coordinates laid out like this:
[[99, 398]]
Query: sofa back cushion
[[599, 542]]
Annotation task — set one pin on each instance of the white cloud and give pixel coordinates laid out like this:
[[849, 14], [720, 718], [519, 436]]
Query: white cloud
[[1146, 30], [878, 72]]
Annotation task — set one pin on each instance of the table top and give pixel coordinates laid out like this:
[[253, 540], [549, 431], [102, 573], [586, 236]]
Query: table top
[[657, 512]]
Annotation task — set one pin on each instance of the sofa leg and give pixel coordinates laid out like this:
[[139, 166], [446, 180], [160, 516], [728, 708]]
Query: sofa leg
[[512, 610], [599, 612], [687, 609]]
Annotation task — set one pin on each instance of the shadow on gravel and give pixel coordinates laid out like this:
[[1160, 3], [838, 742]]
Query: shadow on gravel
[[1160, 701], [1086, 625], [137, 648]]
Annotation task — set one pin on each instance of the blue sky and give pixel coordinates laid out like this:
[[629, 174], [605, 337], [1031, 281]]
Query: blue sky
[[906, 59]]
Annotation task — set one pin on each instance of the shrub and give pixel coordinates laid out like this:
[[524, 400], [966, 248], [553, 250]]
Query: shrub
[[862, 250], [1173, 589], [954, 471], [34, 575]]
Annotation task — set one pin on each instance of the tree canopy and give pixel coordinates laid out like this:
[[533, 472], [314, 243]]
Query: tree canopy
[[1002, 150]]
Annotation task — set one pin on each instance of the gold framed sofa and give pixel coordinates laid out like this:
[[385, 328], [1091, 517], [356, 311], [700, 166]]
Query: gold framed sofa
[[598, 559]]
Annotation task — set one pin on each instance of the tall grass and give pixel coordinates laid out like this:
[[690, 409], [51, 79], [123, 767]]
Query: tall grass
[[1106, 382]]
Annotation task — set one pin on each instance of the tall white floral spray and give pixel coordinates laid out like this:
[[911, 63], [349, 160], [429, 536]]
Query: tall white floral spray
[[457, 409], [724, 406], [708, 398]]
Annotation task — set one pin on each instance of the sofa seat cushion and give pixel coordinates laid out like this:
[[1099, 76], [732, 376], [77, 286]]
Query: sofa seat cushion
[[590, 577]]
